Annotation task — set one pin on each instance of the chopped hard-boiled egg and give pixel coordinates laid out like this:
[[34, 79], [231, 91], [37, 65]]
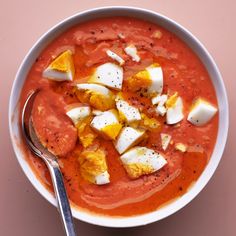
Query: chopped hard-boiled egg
[[103, 178], [127, 138], [151, 79], [165, 140], [96, 88], [131, 50], [96, 95], [156, 99], [108, 74], [140, 80], [174, 112], [115, 57], [156, 75], [93, 166], [127, 112], [107, 124], [140, 161], [78, 113], [159, 99], [201, 112], [85, 133], [149, 123], [61, 68], [181, 147], [161, 110]]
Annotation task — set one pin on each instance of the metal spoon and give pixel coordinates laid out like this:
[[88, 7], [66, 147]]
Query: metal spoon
[[51, 161]]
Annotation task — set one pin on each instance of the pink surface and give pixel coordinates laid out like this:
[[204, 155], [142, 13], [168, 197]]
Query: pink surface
[[24, 212]]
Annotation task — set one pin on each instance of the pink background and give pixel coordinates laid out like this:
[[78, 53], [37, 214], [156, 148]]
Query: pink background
[[23, 211]]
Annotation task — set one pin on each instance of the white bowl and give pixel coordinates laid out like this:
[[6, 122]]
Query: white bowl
[[189, 39]]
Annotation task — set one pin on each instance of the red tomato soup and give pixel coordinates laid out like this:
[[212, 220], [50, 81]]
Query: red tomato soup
[[166, 88]]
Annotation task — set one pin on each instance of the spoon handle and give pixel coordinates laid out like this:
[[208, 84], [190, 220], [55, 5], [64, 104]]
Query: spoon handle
[[61, 196]]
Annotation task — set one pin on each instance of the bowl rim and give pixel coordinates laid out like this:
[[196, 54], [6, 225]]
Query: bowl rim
[[177, 204]]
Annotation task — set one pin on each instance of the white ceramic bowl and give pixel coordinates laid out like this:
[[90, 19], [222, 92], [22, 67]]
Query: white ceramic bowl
[[189, 39]]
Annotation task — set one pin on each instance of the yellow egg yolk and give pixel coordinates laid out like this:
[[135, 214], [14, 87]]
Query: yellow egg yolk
[[136, 170], [85, 133], [149, 123], [172, 100], [112, 130], [63, 63], [141, 80], [92, 163], [96, 100]]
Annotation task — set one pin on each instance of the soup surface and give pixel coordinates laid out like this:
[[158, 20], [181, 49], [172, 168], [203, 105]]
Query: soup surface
[[148, 72]]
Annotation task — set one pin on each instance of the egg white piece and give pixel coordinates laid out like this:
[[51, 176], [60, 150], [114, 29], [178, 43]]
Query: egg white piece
[[159, 99], [100, 121], [156, 99], [161, 110], [103, 178], [201, 113], [77, 114], [156, 75], [163, 100], [127, 138], [130, 113], [142, 157], [94, 88], [175, 114], [131, 50], [115, 57], [108, 74], [165, 140], [57, 75], [121, 36]]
